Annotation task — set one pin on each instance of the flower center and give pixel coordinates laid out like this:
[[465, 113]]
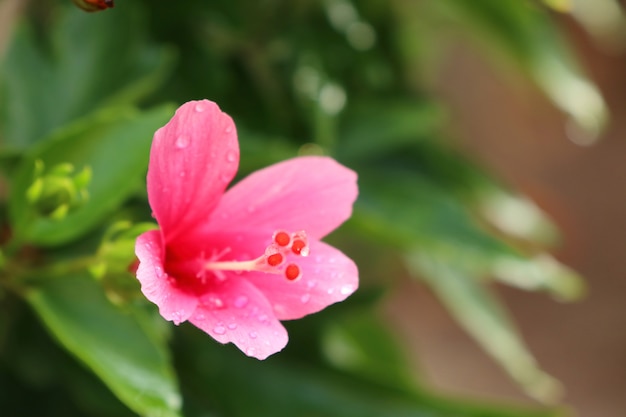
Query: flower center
[[274, 259]]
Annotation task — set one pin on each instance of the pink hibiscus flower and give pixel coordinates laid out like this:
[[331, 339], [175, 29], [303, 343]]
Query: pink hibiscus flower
[[236, 262]]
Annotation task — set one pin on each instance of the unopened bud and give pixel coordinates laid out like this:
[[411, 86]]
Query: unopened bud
[[55, 193], [94, 5]]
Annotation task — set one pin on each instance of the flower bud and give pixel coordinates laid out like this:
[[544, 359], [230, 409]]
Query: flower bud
[[94, 5], [55, 193]]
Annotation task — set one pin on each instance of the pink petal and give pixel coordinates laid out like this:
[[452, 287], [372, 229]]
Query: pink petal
[[192, 160], [243, 316], [328, 276], [314, 194], [174, 305]]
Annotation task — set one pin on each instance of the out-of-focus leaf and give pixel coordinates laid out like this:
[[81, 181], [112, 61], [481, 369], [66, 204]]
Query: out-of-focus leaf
[[372, 127], [456, 256], [404, 209], [132, 363], [523, 32], [91, 61], [541, 272], [115, 144], [603, 19], [480, 313], [359, 343], [407, 212], [518, 217], [218, 380]]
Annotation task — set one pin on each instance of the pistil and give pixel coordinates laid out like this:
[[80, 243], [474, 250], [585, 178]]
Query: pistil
[[273, 260]]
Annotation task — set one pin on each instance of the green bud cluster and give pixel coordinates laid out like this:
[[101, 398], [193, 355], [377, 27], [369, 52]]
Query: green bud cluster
[[55, 193]]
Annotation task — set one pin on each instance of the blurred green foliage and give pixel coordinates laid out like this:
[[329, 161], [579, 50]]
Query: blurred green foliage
[[347, 79]]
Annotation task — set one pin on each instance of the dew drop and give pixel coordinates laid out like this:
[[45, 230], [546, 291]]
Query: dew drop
[[253, 335], [305, 298], [311, 284], [219, 329], [231, 156], [200, 317], [200, 107], [225, 177], [213, 301], [177, 317], [228, 129], [182, 142], [250, 351], [232, 326], [346, 289], [241, 301], [330, 291], [262, 318]]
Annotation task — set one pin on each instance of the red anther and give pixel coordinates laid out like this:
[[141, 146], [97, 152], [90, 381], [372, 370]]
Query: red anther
[[275, 259], [292, 272], [297, 246], [282, 239]]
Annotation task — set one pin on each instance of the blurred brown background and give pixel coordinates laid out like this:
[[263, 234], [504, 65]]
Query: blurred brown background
[[513, 131]]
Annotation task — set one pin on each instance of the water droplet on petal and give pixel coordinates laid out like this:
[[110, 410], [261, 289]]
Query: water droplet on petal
[[330, 291], [263, 318], [182, 142], [241, 301], [311, 284], [231, 156], [212, 301], [253, 335], [177, 317], [200, 317], [200, 107], [250, 351], [219, 329], [228, 129], [232, 326], [305, 298], [346, 289]]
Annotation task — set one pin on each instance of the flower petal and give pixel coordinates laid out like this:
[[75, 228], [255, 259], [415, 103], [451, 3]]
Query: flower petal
[[192, 160], [328, 276], [174, 305], [314, 194], [243, 316]]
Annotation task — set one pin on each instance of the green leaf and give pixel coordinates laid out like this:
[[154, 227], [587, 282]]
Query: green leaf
[[91, 60], [115, 144], [219, 381], [523, 33], [360, 343], [405, 209], [370, 128], [480, 313], [131, 362]]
